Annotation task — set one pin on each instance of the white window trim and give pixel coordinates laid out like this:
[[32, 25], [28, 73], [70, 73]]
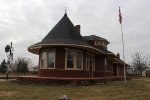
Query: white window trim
[[47, 50], [66, 60]]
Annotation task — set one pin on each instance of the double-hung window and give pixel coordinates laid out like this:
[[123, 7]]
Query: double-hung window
[[74, 59], [70, 59], [51, 59]]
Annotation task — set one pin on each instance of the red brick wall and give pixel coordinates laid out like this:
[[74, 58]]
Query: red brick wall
[[60, 58], [98, 74], [108, 73], [62, 73], [99, 63], [59, 70]]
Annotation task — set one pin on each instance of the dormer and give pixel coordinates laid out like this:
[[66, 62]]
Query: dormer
[[97, 41]]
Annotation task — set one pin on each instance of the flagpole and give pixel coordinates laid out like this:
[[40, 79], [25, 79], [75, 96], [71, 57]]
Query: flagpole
[[123, 55], [120, 20]]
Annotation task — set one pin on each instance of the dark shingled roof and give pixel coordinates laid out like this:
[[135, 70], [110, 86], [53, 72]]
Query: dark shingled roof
[[95, 38], [104, 50], [64, 32]]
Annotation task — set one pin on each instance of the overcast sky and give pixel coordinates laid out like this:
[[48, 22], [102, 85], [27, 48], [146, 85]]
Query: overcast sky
[[25, 22]]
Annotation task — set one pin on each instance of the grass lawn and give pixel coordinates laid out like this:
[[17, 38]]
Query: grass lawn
[[137, 89]]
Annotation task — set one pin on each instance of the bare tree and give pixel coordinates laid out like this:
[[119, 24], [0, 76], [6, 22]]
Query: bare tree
[[22, 65], [139, 62]]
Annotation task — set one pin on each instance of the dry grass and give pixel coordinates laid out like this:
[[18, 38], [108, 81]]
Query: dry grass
[[7, 93], [138, 89]]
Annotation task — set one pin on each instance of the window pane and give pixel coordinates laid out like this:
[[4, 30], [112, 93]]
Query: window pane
[[51, 56], [51, 59], [79, 64], [79, 55], [50, 64], [43, 60], [70, 54], [70, 59], [70, 64]]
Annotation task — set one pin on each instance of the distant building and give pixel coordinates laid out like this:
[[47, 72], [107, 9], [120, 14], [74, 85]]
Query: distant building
[[65, 53], [146, 71], [32, 69]]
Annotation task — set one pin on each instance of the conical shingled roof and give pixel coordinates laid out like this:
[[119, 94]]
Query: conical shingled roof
[[64, 32]]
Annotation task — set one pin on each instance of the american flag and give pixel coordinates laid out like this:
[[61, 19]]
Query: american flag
[[120, 17]]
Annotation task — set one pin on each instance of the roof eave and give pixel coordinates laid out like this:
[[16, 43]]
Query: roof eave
[[35, 48]]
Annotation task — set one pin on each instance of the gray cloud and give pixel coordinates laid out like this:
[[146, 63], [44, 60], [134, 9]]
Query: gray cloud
[[25, 22]]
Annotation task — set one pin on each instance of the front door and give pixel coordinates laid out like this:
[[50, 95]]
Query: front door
[[90, 64]]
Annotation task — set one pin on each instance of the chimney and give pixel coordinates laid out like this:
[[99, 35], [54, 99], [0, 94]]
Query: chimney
[[118, 55], [77, 27]]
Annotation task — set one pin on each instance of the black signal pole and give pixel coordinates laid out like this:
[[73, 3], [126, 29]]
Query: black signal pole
[[9, 51]]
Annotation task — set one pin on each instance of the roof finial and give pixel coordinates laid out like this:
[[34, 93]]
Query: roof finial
[[65, 9]]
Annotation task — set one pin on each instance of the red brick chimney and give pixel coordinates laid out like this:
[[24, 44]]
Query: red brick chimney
[[77, 27], [118, 55]]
